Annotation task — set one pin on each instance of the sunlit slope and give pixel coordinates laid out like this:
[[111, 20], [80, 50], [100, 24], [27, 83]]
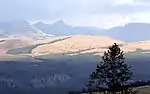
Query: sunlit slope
[[140, 46], [12, 43], [76, 44], [69, 45], [51, 39], [28, 49]]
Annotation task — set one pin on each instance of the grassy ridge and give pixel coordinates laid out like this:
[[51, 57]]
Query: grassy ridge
[[28, 49]]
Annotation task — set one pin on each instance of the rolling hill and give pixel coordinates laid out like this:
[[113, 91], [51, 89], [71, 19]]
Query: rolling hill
[[140, 46], [76, 44], [68, 45], [12, 43], [71, 45]]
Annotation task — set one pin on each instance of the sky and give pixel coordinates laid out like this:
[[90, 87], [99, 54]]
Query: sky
[[94, 13]]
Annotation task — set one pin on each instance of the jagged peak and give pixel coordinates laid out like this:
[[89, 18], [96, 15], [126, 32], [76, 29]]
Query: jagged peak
[[39, 23], [60, 22]]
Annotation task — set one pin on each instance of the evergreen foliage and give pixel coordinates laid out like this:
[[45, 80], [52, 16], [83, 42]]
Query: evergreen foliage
[[112, 73]]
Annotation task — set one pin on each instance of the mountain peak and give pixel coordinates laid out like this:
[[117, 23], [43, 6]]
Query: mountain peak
[[60, 22], [39, 23]]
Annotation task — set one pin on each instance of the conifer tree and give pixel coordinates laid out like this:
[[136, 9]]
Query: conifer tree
[[112, 73]]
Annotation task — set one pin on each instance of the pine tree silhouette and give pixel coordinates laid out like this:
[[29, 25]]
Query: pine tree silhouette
[[111, 73]]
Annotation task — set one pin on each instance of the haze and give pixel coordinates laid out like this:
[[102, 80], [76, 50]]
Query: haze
[[95, 13]]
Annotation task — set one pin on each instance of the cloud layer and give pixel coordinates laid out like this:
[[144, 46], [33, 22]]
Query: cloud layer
[[99, 13]]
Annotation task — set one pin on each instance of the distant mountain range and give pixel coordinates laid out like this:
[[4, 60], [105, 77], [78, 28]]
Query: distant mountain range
[[62, 29], [21, 28], [129, 32]]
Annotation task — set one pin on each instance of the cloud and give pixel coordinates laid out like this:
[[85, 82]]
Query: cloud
[[144, 1], [99, 20], [102, 13], [140, 17]]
